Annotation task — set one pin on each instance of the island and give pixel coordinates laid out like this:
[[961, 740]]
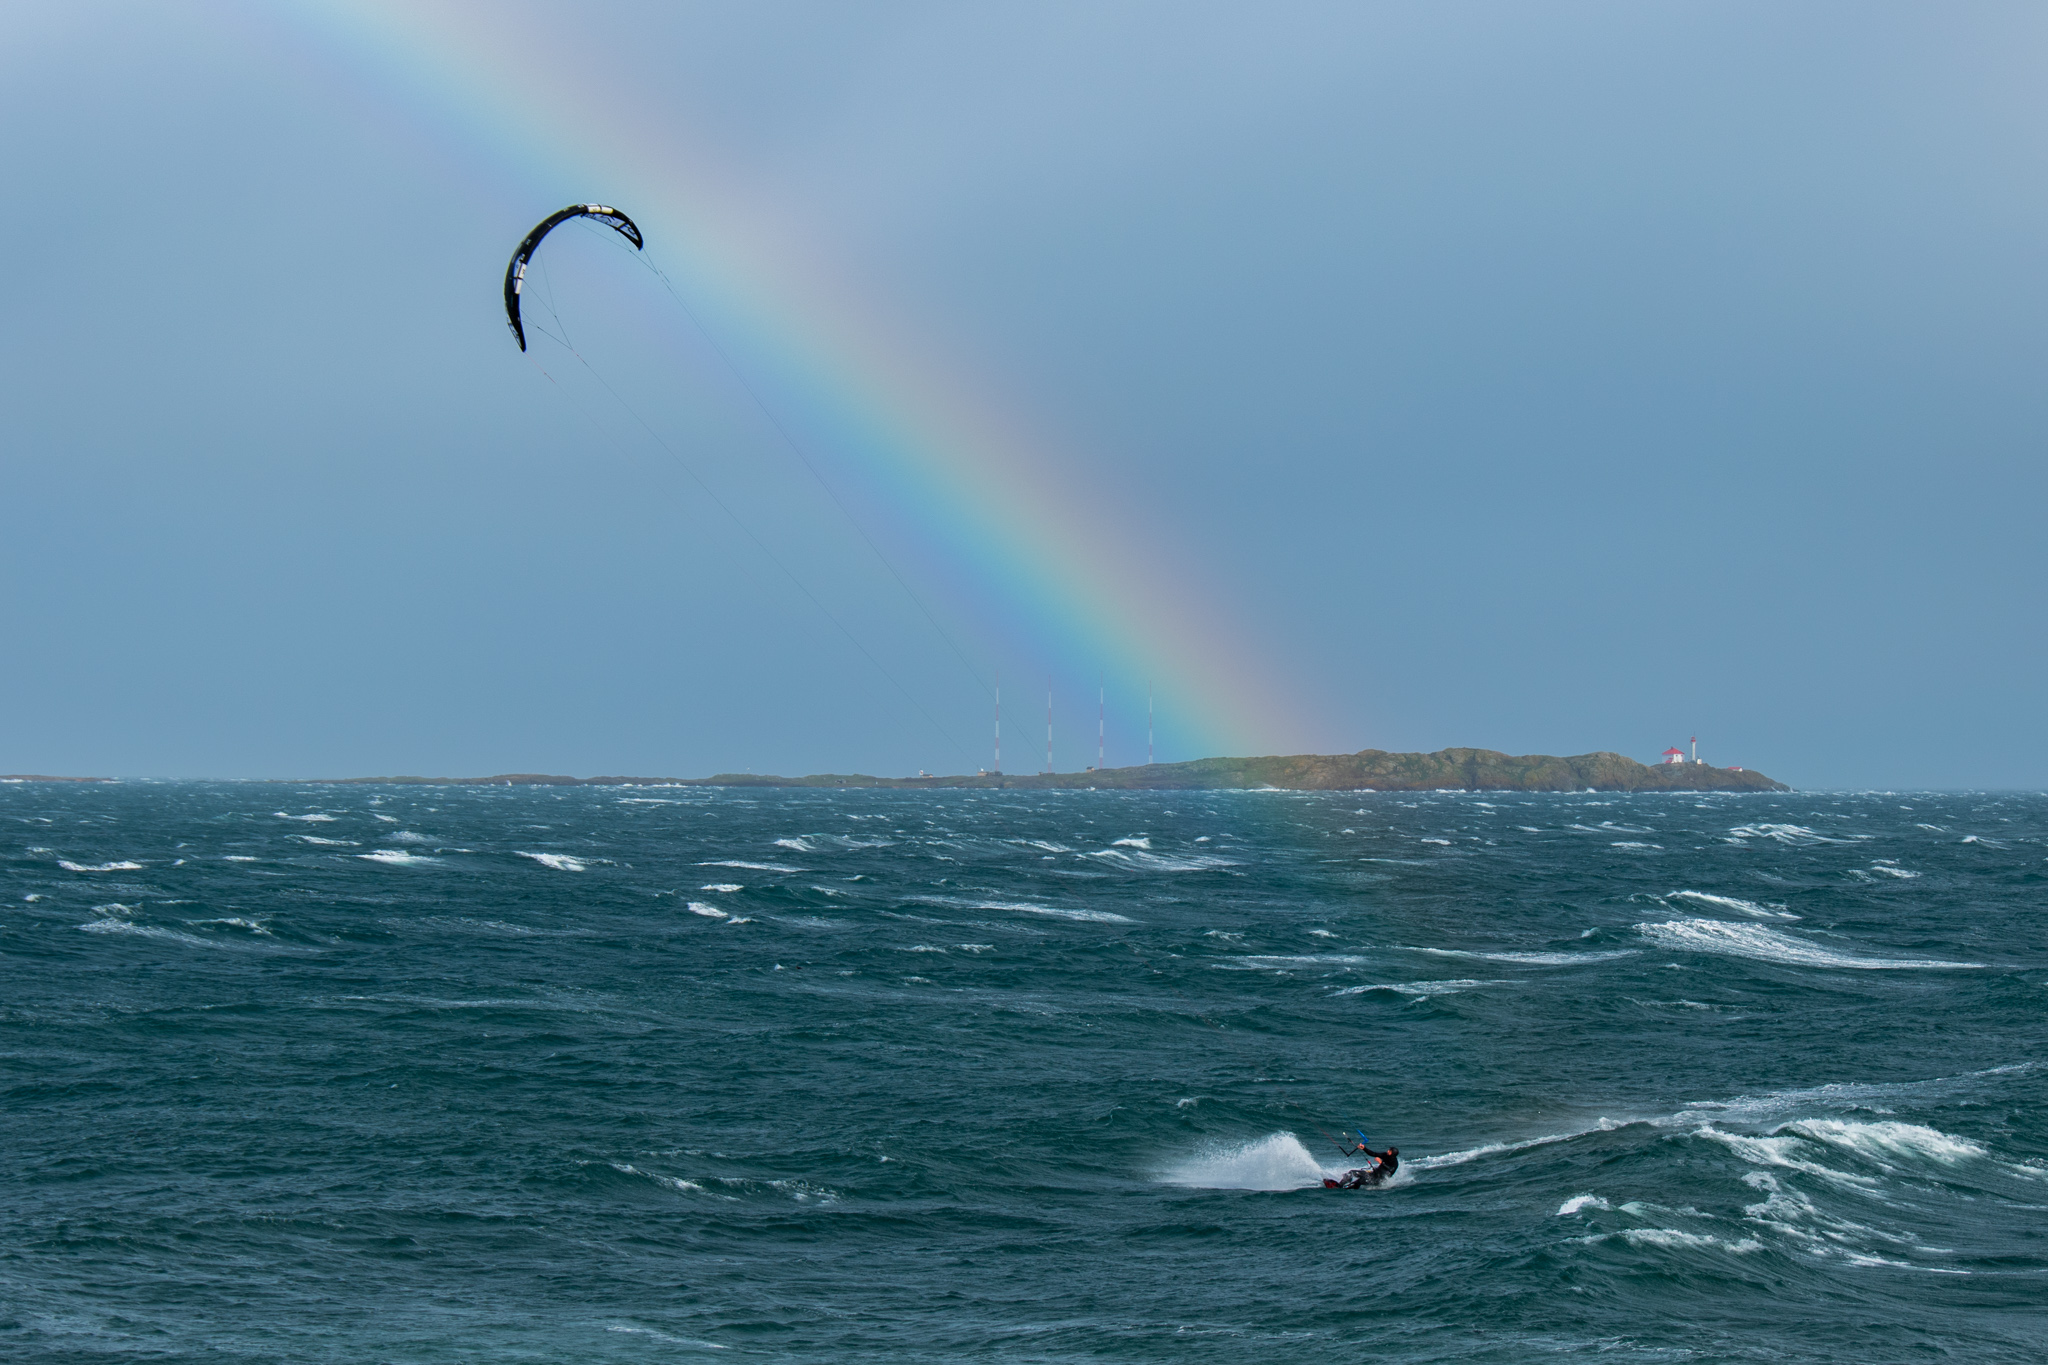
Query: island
[[1366, 770]]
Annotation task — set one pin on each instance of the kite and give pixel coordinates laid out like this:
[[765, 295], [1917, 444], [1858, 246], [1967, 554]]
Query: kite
[[515, 273]]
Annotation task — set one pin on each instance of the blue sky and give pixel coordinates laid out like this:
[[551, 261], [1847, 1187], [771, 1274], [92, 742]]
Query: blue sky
[[1547, 378]]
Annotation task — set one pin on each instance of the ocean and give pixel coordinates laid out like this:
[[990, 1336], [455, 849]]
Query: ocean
[[384, 1073]]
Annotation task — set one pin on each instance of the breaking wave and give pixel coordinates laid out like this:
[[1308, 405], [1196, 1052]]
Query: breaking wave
[[1734, 906], [1769, 945], [1027, 908], [561, 862], [1797, 835], [1531, 959], [397, 857], [1140, 860], [1420, 988]]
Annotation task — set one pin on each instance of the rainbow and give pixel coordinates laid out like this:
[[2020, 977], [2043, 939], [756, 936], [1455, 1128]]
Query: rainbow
[[971, 478]]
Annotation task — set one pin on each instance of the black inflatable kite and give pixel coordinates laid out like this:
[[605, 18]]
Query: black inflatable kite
[[515, 273]]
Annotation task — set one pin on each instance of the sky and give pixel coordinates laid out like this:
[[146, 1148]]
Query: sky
[[1549, 377]]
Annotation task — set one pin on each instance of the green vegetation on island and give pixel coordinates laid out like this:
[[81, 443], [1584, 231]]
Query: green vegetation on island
[[1366, 770]]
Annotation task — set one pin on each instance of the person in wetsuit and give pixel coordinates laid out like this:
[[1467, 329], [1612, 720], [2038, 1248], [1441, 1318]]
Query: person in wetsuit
[[1384, 1165]]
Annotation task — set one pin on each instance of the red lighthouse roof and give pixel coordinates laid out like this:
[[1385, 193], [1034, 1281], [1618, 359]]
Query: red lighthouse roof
[[1669, 752]]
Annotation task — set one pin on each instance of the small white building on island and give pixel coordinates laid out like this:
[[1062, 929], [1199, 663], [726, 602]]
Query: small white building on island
[[1674, 755]]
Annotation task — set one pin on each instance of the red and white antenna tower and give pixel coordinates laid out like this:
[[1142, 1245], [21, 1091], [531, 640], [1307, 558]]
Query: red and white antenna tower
[[1695, 748]]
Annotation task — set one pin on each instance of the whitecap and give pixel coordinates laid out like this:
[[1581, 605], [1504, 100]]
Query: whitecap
[[1787, 1152], [1135, 841], [795, 845], [122, 926], [396, 857], [637, 1330], [1770, 945], [1428, 1163], [1784, 834], [708, 911], [1530, 959], [314, 818], [1890, 870], [1740, 907], [1156, 862], [1273, 960], [1676, 1239], [69, 866], [667, 1182], [1420, 989], [1027, 908], [561, 862], [1888, 1143], [324, 843], [751, 867], [722, 888], [1581, 1201]]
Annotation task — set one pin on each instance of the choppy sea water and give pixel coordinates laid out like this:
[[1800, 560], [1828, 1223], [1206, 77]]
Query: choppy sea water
[[429, 1074]]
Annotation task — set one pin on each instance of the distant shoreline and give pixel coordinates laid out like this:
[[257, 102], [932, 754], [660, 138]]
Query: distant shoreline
[[1367, 770], [41, 777]]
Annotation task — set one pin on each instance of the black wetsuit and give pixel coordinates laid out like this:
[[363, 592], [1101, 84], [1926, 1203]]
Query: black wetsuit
[[1370, 1175]]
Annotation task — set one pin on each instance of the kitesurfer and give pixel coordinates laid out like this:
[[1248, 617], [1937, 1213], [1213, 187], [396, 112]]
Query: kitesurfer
[[1383, 1167]]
